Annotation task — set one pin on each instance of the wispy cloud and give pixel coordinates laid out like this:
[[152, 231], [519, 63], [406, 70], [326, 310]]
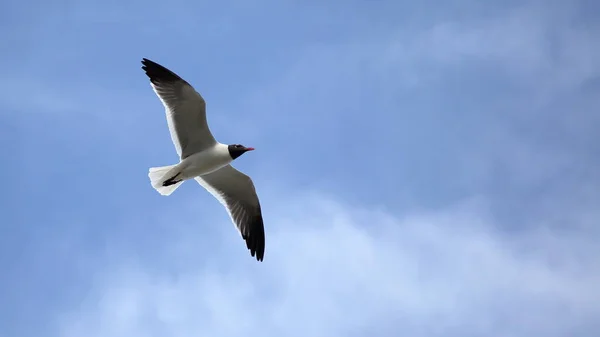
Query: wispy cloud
[[336, 270]]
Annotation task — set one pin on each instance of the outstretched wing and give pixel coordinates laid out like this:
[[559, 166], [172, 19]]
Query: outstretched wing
[[236, 192], [185, 109]]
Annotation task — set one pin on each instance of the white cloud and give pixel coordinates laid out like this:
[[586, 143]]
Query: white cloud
[[334, 270], [535, 46]]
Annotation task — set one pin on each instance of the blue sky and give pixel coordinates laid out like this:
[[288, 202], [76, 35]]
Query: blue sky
[[425, 169]]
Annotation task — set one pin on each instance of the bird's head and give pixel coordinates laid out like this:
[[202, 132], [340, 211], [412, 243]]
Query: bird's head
[[236, 150]]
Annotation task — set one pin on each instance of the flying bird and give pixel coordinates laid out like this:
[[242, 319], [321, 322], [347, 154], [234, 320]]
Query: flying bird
[[203, 158]]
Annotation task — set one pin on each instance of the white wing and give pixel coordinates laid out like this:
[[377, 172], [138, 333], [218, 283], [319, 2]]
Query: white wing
[[236, 192], [185, 109]]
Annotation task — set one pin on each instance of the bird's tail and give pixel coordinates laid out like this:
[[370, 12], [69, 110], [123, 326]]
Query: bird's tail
[[164, 179]]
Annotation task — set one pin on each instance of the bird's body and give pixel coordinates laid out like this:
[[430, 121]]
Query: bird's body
[[203, 158], [203, 162]]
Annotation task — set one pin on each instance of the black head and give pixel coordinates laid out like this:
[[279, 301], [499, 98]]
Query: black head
[[237, 150]]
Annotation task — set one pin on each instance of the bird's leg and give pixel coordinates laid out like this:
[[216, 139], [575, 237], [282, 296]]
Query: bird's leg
[[171, 181]]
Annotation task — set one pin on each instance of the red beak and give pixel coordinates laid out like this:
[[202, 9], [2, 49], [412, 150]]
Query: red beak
[[249, 149]]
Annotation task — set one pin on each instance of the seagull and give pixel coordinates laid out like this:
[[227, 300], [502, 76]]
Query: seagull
[[202, 158]]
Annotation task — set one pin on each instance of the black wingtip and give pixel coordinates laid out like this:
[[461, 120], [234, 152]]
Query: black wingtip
[[255, 240], [158, 73]]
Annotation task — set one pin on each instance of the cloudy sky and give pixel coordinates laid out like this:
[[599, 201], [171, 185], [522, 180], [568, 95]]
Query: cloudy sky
[[425, 169]]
